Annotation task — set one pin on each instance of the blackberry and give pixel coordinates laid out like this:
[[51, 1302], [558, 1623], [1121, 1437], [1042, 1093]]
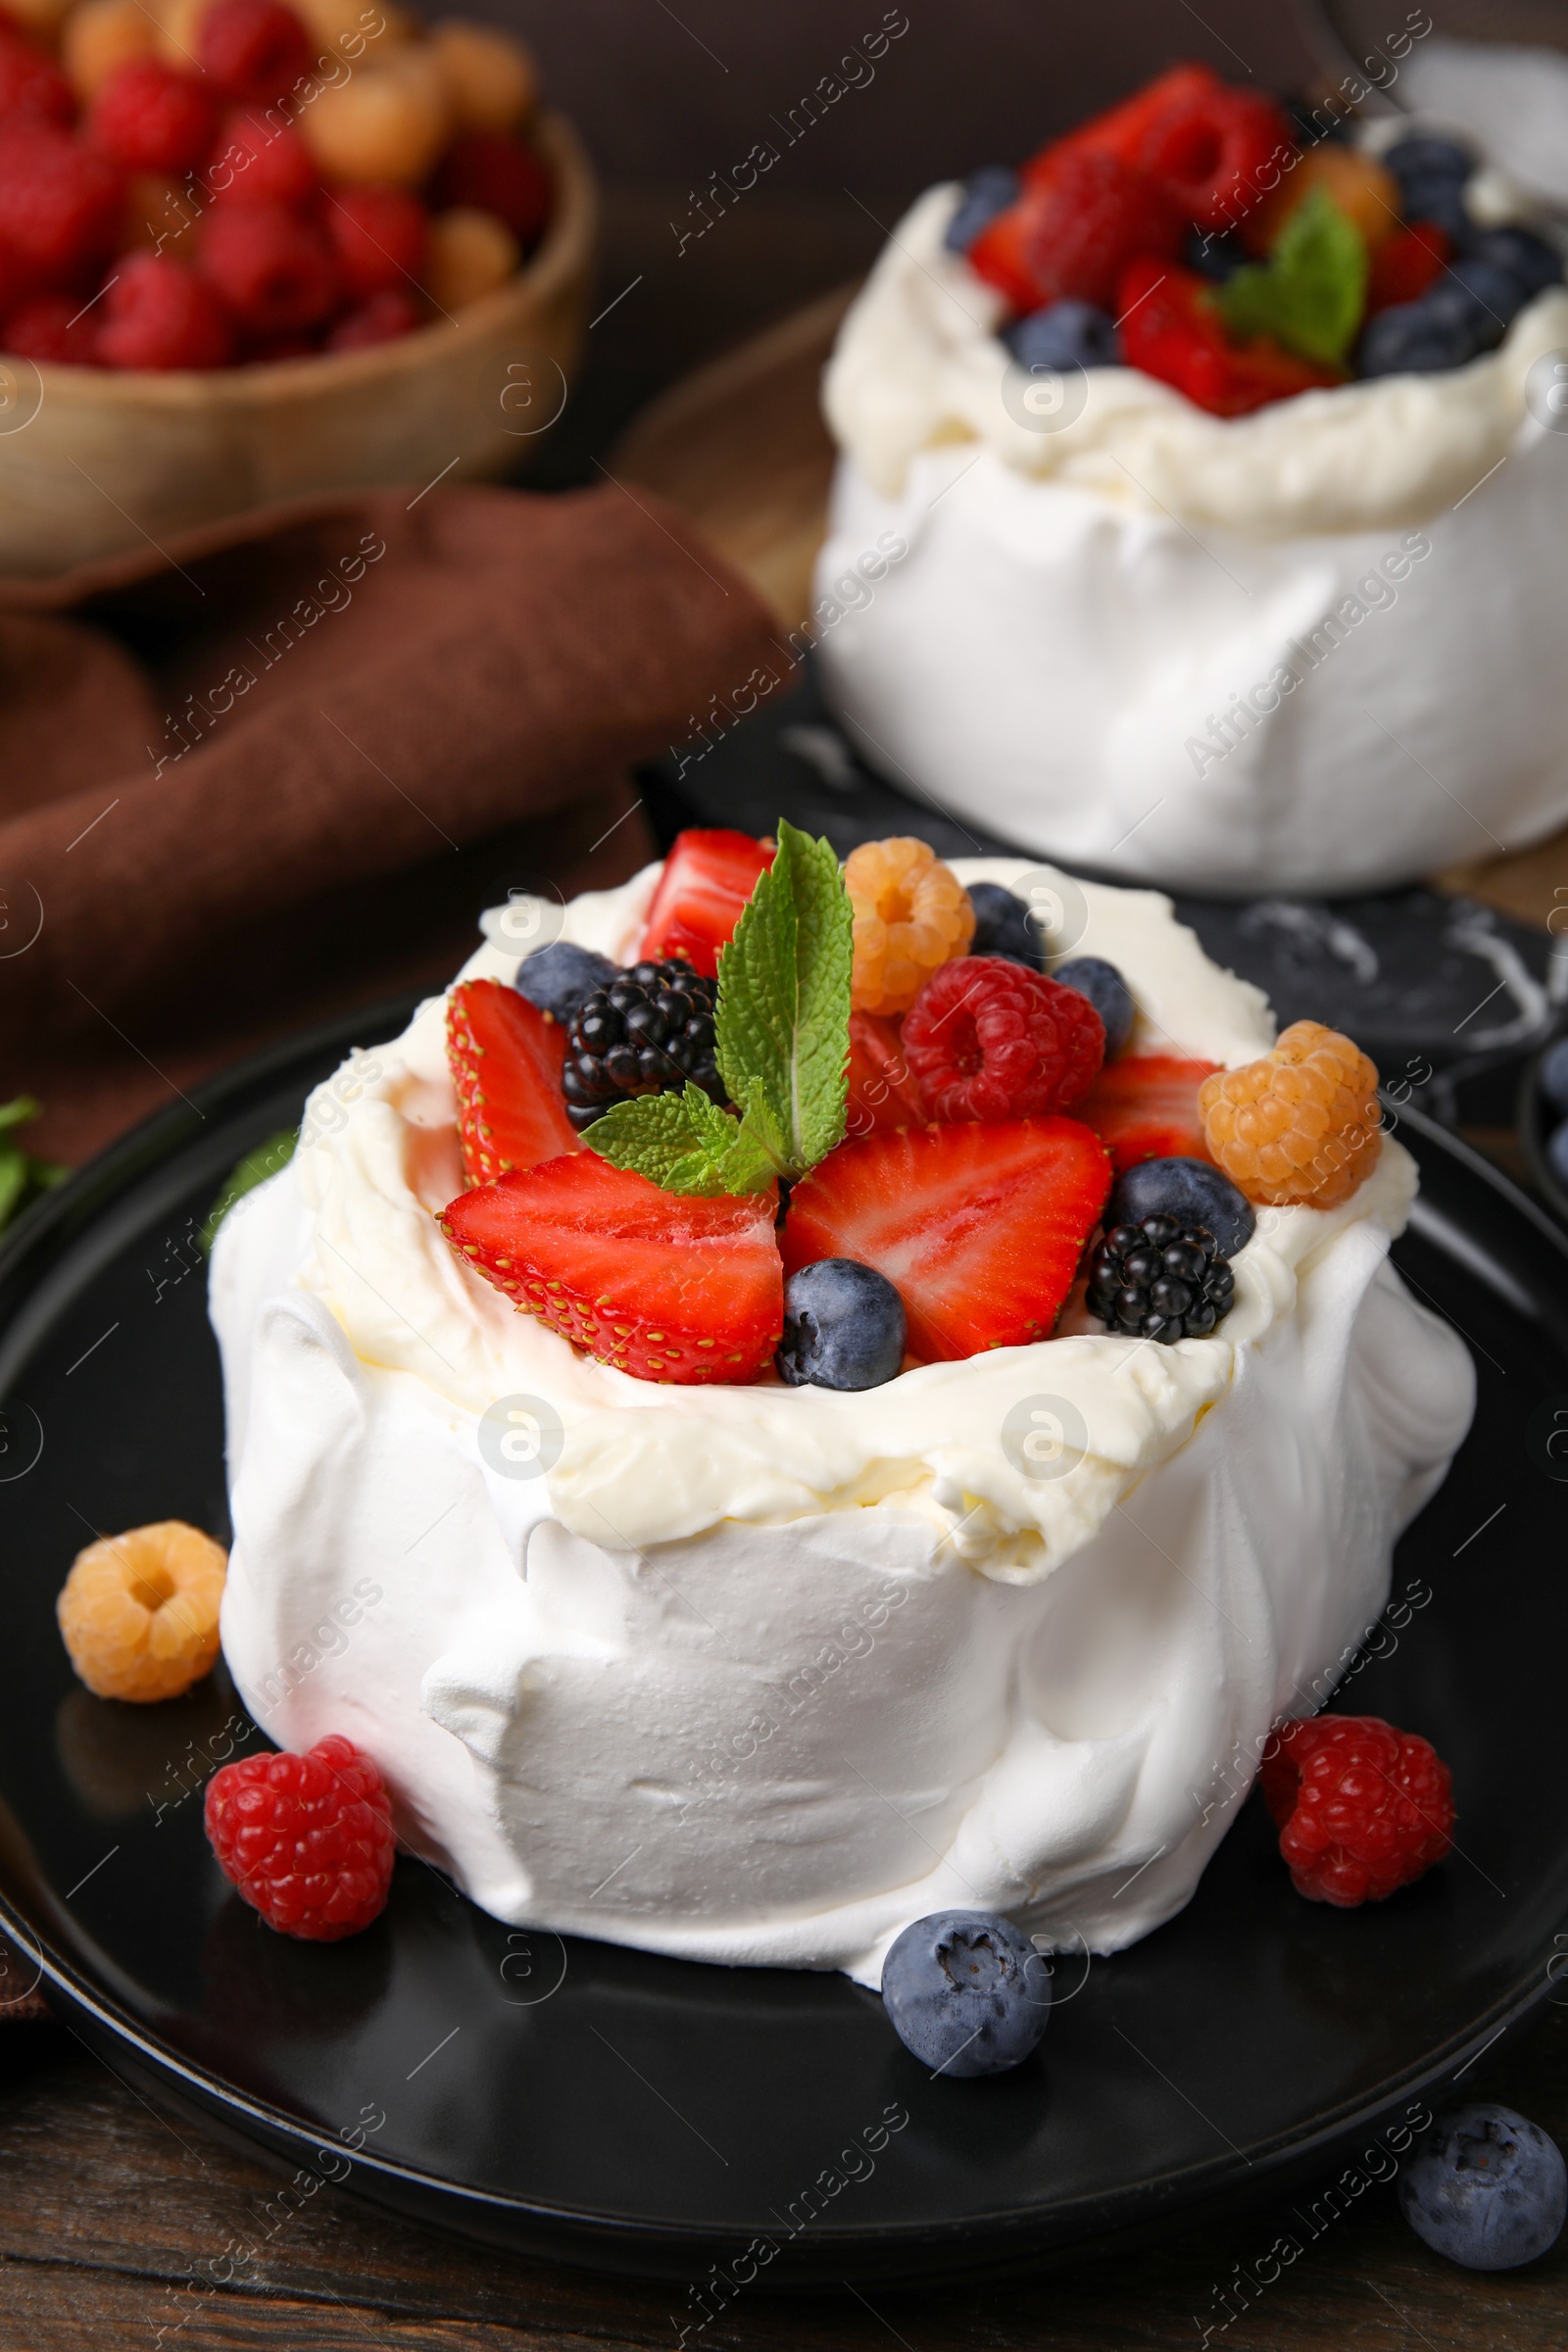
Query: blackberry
[[1161, 1280], [646, 1032]]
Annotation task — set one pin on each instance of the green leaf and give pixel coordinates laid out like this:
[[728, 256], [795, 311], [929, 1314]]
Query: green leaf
[[13, 1180], [1312, 294], [782, 1022], [18, 1111], [684, 1144], [254, 1169]]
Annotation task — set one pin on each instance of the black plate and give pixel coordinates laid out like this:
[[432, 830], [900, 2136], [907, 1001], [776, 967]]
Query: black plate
[[579, 2100]]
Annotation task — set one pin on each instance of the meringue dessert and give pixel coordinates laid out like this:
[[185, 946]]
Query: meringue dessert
[[1234, 496], [690, 1600]]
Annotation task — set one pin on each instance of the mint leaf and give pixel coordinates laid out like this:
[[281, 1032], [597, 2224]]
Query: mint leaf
[[13, 1180], [1311, 293], [254, 1169], [18, 1111], [782, 1022], [683, 1142]]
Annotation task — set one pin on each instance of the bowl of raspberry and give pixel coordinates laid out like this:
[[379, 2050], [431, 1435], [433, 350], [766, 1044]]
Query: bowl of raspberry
[[250, 252]]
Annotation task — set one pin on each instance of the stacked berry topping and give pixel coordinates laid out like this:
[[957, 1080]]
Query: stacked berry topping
[[1161, 1280], [650, 1030]]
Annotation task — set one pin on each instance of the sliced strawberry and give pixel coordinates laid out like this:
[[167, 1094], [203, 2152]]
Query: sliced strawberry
[[1073, 232], [883, 1096], [1121, 131], [1171, 329], [979, 1226], [706, 880], [1145, 1106], [663, 1286], [505, 1057]]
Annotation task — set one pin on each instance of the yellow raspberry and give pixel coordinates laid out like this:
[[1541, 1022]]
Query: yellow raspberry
[[912, 915], [139, 1611], [1301, 1126]]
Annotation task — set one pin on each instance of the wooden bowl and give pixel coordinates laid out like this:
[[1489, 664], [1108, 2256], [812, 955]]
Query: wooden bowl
[[93, 461]]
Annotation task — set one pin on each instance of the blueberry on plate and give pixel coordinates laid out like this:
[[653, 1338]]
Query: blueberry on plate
[[559, 977], [1485, 2189], [1553, 1076], [966, 1992], [1191, 1191], [1525, 256], [985, 193], [1107, 992], [1420, 338], [843, 1327], [1002, 925], [1065, 334]]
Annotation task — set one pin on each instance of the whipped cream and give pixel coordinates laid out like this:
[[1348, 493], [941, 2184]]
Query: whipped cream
[[762, 1674], [1087, 646]]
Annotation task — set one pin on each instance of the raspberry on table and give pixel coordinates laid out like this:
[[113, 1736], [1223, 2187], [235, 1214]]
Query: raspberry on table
[[275, 271], [912, 915], [1300, 1125], [53, 328], [150, 118], [60, 202], [490, 172], [990, 1039], [159, 314], [1362, 1809], [308, 1841], [252, 49], [254, 164], [379, 236], [138, 1612], [380, 319]]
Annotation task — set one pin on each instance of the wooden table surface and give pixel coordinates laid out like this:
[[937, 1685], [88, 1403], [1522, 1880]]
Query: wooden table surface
[[111, 2213]]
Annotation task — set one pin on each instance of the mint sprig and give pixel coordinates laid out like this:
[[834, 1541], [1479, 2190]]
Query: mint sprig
[[781, 1041], [23, 1177], [1311, 293]]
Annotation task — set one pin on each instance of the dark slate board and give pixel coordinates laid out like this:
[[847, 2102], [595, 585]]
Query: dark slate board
[[1448, 997]]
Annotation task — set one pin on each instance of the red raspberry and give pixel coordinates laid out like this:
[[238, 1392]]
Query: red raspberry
[[60, 202], [1074, 229], [495, 174], [1217, 152], [379, 236], [32, 87], [151, 118], [382, 319], [1361, 1809], [987, 1039], [307, 1839], [1407, 264], [273, 270], [53, 327], [254, 164], [159, 314], [252, 49]]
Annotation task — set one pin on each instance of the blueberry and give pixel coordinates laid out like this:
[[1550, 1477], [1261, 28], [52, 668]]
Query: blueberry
[[1557, 1152], [1485, 2189], [1214, 255], [559, 977], [966, 1992], [1494, 296], [843, 1327], [1065, 334], [1420, 338], [1002, 925], [1428, 158], [1107, 992], [1526, 257], [1439, 199], [985, 193], [1191, 1191], [1553, 1076]]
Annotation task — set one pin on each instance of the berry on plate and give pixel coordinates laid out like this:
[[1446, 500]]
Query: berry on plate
[[558, 977], [1160, 1278], [1191, 1191], [1079, 221], [672, 1287], [147, 118], [1171, 330], [138, 1612], [504, 1058], [912, 915], [308, 1841], [1485, 2187], [1299, 1126], [844, 1325], [979, 1225], [708, 878], [1361, 1809], [1002, 925], [882, 1093], [989, 1039], [966, 1992], [159, 314], [1107, 992], [1145, 1106], [646, 1031]]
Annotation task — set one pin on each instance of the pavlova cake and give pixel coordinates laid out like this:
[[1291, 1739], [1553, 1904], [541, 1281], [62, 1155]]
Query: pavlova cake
[[768, 1418], [1228, 460]]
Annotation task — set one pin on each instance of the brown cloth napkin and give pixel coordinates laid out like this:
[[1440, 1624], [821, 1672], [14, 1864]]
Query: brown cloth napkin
[[277, 767]]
